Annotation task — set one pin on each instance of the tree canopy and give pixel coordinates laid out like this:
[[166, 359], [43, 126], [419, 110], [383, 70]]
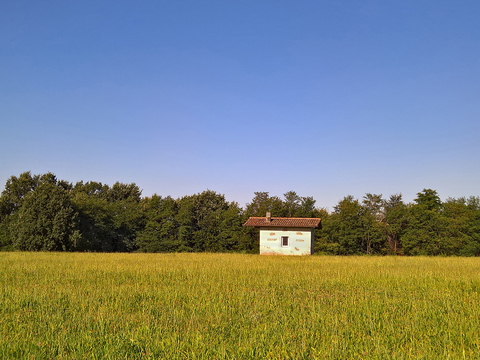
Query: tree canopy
[[42, 213]]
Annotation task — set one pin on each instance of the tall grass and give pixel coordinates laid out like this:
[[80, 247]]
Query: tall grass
[[205, 306]]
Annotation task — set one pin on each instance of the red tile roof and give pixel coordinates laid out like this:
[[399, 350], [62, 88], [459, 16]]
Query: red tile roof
[[283, 222]]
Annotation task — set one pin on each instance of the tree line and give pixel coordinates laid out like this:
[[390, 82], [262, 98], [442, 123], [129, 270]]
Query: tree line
[[42, 213]]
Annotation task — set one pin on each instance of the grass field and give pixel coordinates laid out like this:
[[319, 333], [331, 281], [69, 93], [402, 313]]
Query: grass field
[[205, 306]]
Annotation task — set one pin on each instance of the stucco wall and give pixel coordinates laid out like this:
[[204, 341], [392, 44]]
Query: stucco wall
[[300, 241]]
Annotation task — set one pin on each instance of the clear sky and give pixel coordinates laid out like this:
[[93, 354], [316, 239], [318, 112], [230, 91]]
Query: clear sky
[[326, 98]]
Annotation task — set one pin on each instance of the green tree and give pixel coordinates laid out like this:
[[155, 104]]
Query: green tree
[[208, 210], [291, 204], [16, 188], [297, 206], [46, 220], [373, 217], [429, 200], [374, 205], [231, 233], [109, 218], [396, 222], [263, 203], [307, 208], [11, 199], [352, 228], [160, 233], [21, 221], [95, 217], [207, 222], [430, 231], [463, 224], [343, 232], [472, 246]]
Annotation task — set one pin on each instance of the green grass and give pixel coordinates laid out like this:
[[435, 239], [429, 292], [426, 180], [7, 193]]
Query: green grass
[[205, 306]]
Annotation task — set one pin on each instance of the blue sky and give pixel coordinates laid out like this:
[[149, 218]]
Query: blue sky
[[326, 98]]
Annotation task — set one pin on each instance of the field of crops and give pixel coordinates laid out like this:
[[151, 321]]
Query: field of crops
[[232, 306]]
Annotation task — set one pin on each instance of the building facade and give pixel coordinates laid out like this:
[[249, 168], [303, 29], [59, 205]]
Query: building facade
[[285, 236]]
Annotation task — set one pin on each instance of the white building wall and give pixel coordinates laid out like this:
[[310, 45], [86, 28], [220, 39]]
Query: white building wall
[[300, 241]]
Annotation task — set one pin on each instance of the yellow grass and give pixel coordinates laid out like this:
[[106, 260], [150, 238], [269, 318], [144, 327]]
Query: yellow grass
[[204, 306]]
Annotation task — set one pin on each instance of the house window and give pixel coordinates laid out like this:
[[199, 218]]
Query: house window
[[284, 241]]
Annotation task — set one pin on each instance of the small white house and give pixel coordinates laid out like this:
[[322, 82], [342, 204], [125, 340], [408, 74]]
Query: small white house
[[285, 236]]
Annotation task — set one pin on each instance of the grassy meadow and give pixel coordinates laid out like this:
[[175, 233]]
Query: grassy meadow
[[232, 306]]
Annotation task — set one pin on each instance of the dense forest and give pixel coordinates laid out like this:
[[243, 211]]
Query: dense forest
[[42, 213]]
